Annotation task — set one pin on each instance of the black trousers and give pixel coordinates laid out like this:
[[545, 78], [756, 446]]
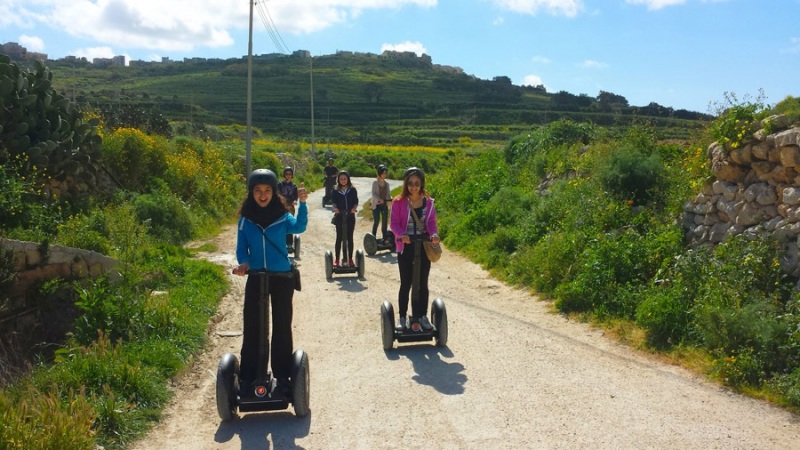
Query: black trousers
[[405, 261], [281, 292], [351, 228]]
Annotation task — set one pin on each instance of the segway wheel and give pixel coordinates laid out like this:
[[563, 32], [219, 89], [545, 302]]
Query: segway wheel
[[227, 374], [370, 244], [328, 264], [387, 325], [440, 322], [360, 263], [301, 384], [296, 246]]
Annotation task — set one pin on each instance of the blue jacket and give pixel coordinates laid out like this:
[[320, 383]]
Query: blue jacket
[[266, 248]]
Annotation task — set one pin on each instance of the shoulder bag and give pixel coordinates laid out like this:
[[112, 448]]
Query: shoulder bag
[[434, 251]]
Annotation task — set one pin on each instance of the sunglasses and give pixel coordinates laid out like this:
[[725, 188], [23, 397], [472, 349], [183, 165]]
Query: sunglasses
[[414, 184]]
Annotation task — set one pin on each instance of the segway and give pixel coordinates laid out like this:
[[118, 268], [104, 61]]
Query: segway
[[415, 332], [359, 267], [262, 395], [372, 245], [293, 248]]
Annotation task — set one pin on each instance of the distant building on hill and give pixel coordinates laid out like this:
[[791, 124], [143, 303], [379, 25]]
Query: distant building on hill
[[18, 52]]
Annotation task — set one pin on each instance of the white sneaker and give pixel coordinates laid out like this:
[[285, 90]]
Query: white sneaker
[[426, 324], [402, 324]]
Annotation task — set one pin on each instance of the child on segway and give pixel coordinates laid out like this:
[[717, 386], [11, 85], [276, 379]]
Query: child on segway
[[345, 203], [265, 220], [381, 196], [413, 200]]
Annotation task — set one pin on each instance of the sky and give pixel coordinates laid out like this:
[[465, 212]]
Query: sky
[[684, 54]]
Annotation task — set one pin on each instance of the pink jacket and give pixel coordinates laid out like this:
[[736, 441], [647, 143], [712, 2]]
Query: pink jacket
[[400, 216]]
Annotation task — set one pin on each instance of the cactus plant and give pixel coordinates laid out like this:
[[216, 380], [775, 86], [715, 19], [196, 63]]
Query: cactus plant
[[38, 122]]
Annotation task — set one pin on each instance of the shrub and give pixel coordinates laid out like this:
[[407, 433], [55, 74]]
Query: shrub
[[633, 175], [86, 231], [167, 216], [135, 157], [735, 119]]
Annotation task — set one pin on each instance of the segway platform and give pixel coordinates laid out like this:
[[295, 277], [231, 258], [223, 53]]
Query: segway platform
[[330, 270], [262, 395], [415, 332], [373, 245]]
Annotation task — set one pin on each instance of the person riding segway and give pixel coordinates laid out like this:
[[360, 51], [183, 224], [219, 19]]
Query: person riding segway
[[329, 182], [381, 197], [345, 203], [272, 279], [289, 190], [413, 221]]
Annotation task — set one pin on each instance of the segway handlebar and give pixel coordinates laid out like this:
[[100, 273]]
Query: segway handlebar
[[419, 237], [269, 273]]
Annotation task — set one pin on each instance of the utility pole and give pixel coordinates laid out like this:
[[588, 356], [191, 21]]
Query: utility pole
[[311, 75], [249, 131]]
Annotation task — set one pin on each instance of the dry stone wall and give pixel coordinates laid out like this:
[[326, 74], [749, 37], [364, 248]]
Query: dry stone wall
[[33, 264], [756, 190]]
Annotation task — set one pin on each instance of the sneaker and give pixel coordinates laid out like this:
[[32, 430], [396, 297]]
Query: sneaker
[[402, 323], [336, 263], [352, 264], [426, 324]]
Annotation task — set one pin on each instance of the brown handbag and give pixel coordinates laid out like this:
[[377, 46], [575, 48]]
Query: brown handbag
[[434, 251]]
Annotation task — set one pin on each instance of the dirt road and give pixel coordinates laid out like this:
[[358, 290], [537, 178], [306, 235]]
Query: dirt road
[[512, 376]]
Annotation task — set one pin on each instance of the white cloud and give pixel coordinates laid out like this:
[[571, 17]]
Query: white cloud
[[184, 25], [32, 43], [592, 64], [406, 46], [498, 21], [532, 80], [541, 59], [656, 4], [569, 8]]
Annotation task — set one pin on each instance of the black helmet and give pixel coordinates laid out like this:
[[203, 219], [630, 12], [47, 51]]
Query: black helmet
[[288, 169], [414, 171], [262, 176], [382, 168]]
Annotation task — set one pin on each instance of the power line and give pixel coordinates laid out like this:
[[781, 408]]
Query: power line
[[272, 30]]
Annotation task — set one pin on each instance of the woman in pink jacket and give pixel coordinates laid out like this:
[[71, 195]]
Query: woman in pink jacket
[[403, 224]]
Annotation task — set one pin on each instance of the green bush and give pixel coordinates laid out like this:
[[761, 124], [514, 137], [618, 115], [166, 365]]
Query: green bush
[[86, 231], [632, 175], [26, 210], [735, 119], [168, 217], [135, 157]]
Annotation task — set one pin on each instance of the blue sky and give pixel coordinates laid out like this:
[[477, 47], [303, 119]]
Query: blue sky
[[681, 53]]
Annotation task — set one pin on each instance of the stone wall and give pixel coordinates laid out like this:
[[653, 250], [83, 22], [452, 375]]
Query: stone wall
[[34, 263], [756, 190]]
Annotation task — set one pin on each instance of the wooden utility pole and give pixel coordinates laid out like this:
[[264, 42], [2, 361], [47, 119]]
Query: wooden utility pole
[[249, 131]]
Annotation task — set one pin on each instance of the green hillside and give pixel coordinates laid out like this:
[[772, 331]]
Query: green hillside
[[357, 98]]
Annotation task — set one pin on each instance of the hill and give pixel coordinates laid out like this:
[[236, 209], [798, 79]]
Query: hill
[[388, 98]]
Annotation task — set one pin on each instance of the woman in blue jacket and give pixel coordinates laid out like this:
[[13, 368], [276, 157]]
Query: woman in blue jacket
[[264, 223], [345, 199]]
